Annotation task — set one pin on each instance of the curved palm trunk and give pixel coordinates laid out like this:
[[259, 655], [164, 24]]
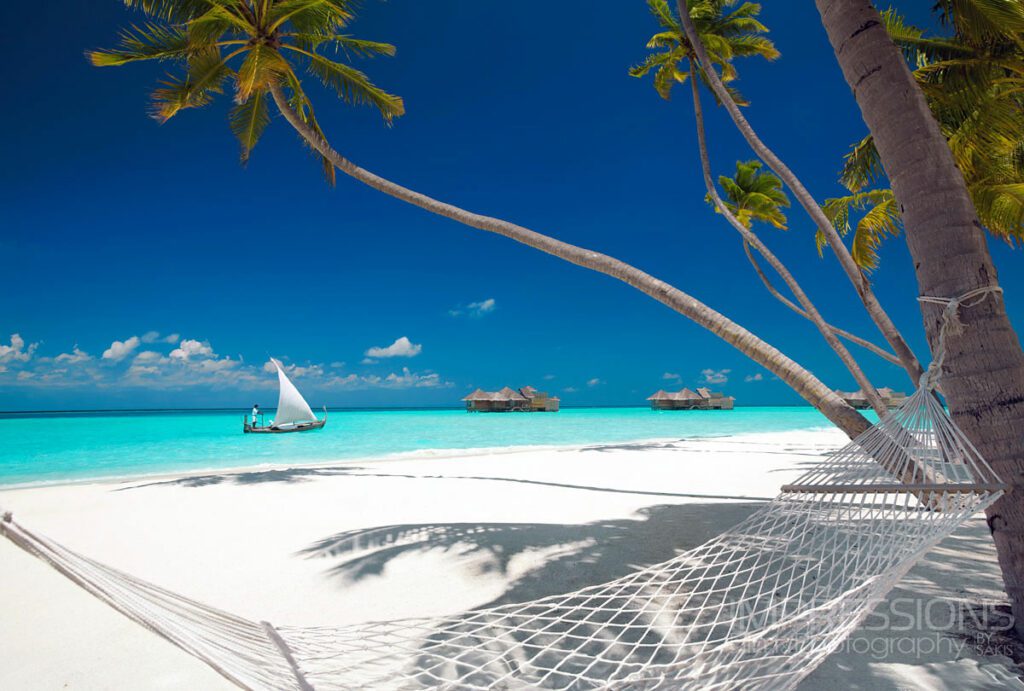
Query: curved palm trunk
[[983, 377], [799, 379], [856, 276], [751, 239]]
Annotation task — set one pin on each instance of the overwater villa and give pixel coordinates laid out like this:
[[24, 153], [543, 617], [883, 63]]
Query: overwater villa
[[509, 400], [857, 399], [686, 399]]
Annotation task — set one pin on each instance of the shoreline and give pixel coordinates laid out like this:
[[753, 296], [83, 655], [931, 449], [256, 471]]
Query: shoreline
[[425, 453]]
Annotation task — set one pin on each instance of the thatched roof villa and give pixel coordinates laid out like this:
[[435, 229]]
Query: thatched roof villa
[[857, 399], [509, 400], [686, 399]]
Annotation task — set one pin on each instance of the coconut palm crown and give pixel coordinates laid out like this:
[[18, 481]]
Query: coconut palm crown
[[248, 45], [754, 195], [725, 35]]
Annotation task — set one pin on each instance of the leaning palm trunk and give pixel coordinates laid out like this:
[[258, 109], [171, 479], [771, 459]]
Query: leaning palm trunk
[[856, 276], [751, 239], [983, 378], [799, 379]]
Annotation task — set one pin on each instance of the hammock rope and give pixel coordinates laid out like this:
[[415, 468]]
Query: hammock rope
[[759, 606]]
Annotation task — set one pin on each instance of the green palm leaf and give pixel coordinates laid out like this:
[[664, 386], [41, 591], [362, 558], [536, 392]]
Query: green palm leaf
[[254, 44], [726, 36], [248, 121], [351, 85], [974, 84], [146, 42], [754, 194]]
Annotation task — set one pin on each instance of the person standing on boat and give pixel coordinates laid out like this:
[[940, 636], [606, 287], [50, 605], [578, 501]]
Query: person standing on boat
[[255, 413]]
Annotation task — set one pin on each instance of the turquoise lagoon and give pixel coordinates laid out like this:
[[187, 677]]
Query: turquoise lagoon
[[63, 447]]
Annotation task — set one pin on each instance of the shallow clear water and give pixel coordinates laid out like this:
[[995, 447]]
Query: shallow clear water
[[73, 446]]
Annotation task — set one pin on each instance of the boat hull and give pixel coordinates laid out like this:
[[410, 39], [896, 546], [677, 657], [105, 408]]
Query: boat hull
[[301, 427]]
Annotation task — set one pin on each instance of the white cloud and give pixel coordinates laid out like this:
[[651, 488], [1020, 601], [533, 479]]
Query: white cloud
[[475, 309], [570, 389], [670, 376], [367, 361], [479, 309], [76, 356], [296, 371], [190, 348], [754, 377], [119, 350], [193, 363], [402, 347], [408, 380], [594, 382], [17, 352], [715, 376], [155, 337], [548, 377]]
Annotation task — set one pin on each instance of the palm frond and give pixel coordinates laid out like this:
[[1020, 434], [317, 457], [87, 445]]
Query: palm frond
[[146, 42], [347, 44], [261, 65], [171, 10], [1001, 208], [351, 85], [309, 16], [861, 166], [881, 220], [248, 120], [205, 77]]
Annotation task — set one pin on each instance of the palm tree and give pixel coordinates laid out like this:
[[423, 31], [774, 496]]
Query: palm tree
[[260, 47], [705, 62], [735, 33], [983, 373], [974, 84], [725, 34], [754, 195]]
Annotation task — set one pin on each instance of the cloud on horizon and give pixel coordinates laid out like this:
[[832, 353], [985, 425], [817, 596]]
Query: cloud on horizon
[[191, 364], [16, 352]]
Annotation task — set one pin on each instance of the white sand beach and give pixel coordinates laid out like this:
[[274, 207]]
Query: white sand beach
[[356, 541]]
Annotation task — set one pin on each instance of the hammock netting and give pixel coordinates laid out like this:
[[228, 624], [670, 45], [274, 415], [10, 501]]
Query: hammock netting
[[760, 606]]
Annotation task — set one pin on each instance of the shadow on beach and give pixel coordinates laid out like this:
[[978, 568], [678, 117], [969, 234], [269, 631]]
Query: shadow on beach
[[584, 554]]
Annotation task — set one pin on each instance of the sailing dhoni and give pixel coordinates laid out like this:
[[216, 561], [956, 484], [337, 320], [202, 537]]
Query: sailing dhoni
[[293, 413]]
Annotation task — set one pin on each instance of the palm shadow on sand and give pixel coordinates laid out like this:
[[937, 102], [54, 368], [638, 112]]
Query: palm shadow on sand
[[579, 554]]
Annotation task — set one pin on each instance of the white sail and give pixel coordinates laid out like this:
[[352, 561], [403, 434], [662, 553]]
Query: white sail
[[291, 406]]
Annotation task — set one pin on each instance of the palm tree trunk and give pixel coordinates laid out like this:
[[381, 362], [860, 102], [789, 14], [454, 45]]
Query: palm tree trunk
[[983, 377], [751, 239], [856, 276], [799, 379]]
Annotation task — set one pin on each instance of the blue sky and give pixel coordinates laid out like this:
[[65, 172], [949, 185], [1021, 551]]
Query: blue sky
[[151, 244]]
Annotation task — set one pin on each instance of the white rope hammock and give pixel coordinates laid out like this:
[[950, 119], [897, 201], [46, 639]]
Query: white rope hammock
[[760, 606]]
